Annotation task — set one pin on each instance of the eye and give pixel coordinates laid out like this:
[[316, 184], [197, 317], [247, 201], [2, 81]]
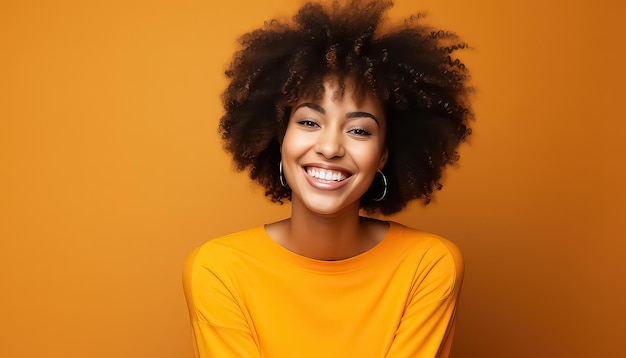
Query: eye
[[362, 132], [308, 123]]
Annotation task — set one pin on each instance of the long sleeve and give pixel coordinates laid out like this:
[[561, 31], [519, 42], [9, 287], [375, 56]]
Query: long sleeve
[[219, 326], [427, 325], [249, 297]]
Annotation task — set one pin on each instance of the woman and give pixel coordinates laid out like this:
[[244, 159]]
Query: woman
[[341, 117]]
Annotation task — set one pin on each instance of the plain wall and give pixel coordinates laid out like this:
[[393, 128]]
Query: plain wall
[[112, 172]]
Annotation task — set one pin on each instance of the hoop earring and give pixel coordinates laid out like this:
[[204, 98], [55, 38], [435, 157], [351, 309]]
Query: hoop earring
[[281, 177], [384, 187]]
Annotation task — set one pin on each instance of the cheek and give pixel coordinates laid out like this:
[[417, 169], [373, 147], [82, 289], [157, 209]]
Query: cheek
[[287, 139], [371, 156], [292, 143], [375, 162]]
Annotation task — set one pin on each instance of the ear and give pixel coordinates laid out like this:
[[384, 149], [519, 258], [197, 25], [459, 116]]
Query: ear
[[383, 159]]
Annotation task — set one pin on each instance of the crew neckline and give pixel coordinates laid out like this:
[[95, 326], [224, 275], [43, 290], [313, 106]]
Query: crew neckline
[[370, 256]]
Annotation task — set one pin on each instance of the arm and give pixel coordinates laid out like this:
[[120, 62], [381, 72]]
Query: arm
[[427, 325], [219, 326]]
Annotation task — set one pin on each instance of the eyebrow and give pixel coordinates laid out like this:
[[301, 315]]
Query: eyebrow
[[320, 109], [362, 114], [313, 106]]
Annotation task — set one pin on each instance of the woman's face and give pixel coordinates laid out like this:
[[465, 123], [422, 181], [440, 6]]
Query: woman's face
[[332, 149]]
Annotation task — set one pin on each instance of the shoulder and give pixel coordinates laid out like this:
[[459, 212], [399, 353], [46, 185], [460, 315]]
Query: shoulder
[[435, 258], [226, 250], [427, 242], [222, 261]]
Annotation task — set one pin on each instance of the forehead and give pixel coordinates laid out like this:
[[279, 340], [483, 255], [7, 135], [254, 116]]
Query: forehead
[[337, 89], [334, 96]]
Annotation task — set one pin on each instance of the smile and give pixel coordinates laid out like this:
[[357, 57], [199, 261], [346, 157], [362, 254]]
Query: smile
[[326, 174]]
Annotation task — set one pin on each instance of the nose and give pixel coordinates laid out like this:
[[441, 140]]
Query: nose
[[330, 143]]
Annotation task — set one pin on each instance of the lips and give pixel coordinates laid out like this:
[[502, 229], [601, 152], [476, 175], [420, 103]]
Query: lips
[[327, 175]]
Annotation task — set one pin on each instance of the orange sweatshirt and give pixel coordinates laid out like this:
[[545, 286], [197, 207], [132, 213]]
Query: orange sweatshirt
[[250, 297]]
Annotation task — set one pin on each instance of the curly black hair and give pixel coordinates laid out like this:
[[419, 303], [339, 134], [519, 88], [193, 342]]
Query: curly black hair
[[408, 67]]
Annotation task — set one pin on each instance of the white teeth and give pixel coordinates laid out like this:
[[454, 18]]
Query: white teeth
[[326, 174]]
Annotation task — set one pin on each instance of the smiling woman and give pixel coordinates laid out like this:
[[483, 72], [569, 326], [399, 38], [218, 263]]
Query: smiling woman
[[342, 119], [332, 150]]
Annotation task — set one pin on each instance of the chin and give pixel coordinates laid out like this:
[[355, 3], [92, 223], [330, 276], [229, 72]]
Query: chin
[[324, 206]]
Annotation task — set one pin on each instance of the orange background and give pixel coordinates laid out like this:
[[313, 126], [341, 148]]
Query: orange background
[[112, 172]]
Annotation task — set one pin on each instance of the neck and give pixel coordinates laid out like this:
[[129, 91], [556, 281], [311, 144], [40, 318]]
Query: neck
[[326, 237]]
